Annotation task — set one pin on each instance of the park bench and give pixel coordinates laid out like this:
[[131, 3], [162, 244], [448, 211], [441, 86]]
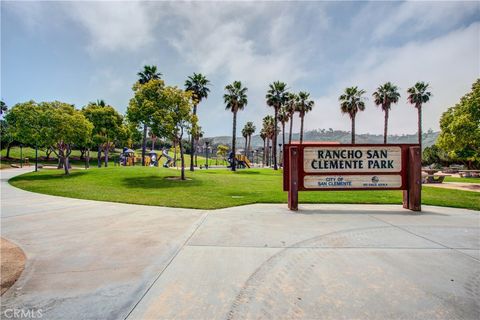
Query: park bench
[[469, 173]]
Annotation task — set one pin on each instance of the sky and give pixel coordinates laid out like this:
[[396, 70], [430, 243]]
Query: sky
[[77, 52]]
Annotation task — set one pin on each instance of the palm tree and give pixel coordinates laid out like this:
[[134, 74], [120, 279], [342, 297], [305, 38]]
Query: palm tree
[[418, 95], [283, 117], [148, 73], [245, 136], [351, 102], [268, 129], [276, 98], [291, 108], [385, 96], [197, 136], [235, 99], [263, 136], [250, 130], [198, 85], [304, 105], [3, 107]]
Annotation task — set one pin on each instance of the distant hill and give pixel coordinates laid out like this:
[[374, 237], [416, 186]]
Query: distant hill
[[429, 138]]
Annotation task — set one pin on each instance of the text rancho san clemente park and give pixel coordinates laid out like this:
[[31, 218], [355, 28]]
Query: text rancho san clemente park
[[352, 159]]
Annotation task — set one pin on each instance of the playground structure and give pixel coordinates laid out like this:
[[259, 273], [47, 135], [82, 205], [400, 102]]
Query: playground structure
[[241, 161], [128, 158]]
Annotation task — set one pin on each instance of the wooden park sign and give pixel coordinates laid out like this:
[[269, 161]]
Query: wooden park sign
[[309, 167]]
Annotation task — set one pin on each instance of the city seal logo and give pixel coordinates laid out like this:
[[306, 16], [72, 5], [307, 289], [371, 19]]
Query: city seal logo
[[375, 179]]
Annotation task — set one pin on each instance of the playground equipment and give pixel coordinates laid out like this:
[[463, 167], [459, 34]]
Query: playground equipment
[[127, 158], [169, 159], [152, 159], [241, 161]]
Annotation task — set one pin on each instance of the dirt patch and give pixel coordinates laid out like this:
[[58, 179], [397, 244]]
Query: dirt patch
[[12, 264]]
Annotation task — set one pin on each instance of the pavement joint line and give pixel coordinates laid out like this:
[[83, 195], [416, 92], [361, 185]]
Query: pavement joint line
[[329, 247], [199, 224], [425, 238]]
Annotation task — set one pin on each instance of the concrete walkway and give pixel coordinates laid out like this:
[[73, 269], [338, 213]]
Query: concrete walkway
[[98, 260]]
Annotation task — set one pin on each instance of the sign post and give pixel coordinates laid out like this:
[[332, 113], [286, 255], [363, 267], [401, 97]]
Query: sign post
[[310, 167]]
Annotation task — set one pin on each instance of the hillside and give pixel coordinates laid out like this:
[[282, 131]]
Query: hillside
[[429, 138]]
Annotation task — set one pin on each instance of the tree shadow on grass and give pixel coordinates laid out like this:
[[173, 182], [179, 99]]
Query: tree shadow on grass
[[47, 177], [159, 182]]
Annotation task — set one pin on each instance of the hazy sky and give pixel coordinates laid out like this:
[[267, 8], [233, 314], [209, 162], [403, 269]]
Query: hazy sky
[[83, 51]]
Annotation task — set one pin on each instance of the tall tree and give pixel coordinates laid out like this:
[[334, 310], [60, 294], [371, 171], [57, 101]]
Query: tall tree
[[148, 74], [64, 127], [276, 97], [198, 85], [235, 99], [351, 102], [245, 137], [291, 108], [283, 117], [460, 129], [263, 136], [174, 118], [107, 126], [250, 127], [304, 105], [146, 101], [269, 130], [418, 95], [385, 95]]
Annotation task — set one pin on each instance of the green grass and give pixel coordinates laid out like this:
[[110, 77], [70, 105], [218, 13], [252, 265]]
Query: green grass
[[209, 189], [464, 180], [30, 153]]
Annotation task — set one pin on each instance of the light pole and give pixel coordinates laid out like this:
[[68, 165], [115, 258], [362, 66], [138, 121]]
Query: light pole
[[206, 154]]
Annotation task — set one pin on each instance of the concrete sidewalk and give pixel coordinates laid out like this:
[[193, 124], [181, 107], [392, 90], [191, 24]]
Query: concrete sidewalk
[[96, 260]]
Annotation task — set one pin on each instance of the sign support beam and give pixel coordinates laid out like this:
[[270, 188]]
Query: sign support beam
[[293, 178]]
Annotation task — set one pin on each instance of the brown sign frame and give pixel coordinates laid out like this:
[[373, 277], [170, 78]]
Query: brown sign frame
[[294, 173]]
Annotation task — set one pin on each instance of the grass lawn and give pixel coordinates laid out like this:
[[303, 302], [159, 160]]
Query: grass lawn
[[74, 160], [209, 189], [464, 180]]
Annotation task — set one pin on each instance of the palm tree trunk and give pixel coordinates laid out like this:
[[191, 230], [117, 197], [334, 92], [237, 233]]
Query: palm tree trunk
[[274, 141], [268, 152], [249, 144], [385, 127], [182, 158], [263, 155], [192, 144], [234, 139], [353, 130], [245, 150], [291, 128], [283, 133], [99, 156], [301, 127], [419, 109], [144, 143]]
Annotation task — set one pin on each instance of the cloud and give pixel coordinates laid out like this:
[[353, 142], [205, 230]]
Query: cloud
[[115, 26], [413, 17], [450, 64]]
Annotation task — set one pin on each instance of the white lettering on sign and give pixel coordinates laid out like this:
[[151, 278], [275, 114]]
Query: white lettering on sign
[[352, 181], [352, 159]]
